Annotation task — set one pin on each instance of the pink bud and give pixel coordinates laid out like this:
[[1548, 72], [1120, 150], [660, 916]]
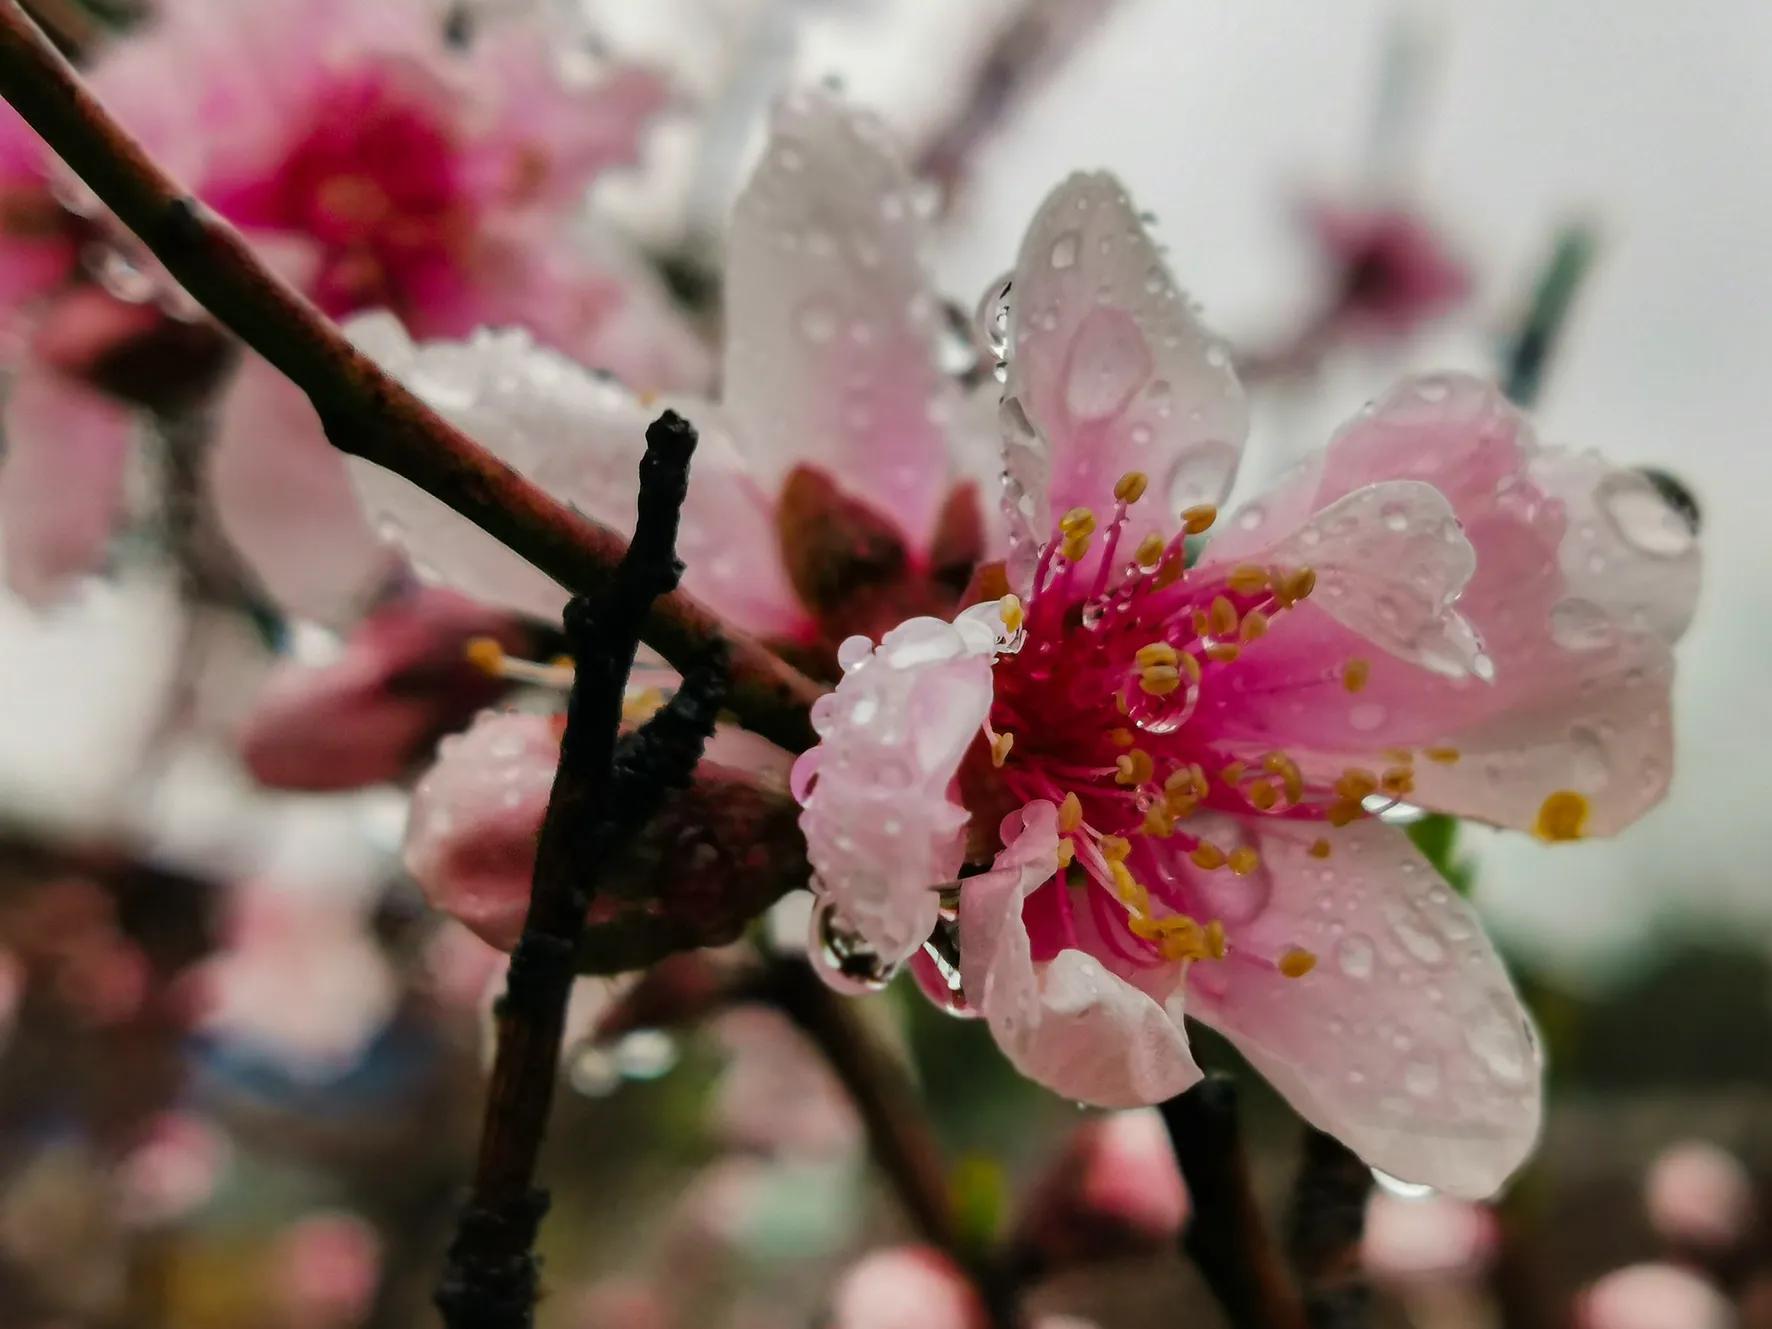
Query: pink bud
[[906, 1287], [1429, 1238], [329, 1267], [1115, 1190], [1653, 1296], [1699, 1195]]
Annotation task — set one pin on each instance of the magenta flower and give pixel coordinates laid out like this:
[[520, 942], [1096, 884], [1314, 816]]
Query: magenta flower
[[835, 488], [1185, 749], [372, 164], [1391, 270]]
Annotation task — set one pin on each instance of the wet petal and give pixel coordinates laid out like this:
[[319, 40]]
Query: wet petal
[[61, 482], [830, 356], [883, 829], [1406, 1040], [1110, 371], [1072, 1024]]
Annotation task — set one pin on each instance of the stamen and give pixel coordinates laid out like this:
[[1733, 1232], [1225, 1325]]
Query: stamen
[[1262, 796], [1122, 738], [1223, 617], [1232, 772], [486, 655], [1216, 946], [1158, 821], [1296, 962], [1131, 486], [1150, 551], [1562, 816], [1000, 746], [1341, 813], [1291, 778], [1244, 860], [1198, 520], [1222, 652], [1355, 673], [1156, 653], [1067, 853], [1013, 614], [1255, 625], [1070, 813], [1134, 767], [1319, 849], [1397, 781], [1207, 856], [1115, 848], [1445, 756], [1247, 579], [1355, 784], [1159, 680]]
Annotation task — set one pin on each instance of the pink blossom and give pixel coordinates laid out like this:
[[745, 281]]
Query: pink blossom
[[835, 486], [1653, 1296], [1184, 750], [777, 1095], [1427, 1238], [375, 166], [328, 1267], [173, 1170], [402, 681], [1391, 270], [906, 1287], [1700, 1196], [1115, 1190]]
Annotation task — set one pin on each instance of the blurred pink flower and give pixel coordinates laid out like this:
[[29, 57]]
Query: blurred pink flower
[[1185, 759], [374, 165], [906, 1287], [1653, 1296], [836, 485], [1428, 1238], [328, 1267], [173, 1170], [1390, 269], [1699, 1196], [1115, 1190], [777, 1096], [403, 681]]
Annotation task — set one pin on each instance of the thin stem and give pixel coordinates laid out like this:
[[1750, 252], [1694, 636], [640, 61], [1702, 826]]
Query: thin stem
[[1225, 1236], [489, 1281], [364, 411], [1529, 351], [1323, 1235]]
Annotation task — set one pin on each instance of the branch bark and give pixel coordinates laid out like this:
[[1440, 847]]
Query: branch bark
[[1323, 1234], [365, 412], [489, 1280]]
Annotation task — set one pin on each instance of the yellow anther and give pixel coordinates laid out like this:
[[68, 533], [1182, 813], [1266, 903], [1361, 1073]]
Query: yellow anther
[[1445, 756], [1244, 860], [1223, 652], [1076, 547], [1198, 520], [1341, 812], [1247, 579], [1223, 617], [1190, 665], [1216, 946], [1067, 853], [1070, 813], [1159, 680], [1262, 796], [1397, 781], [1232, 772], [1296, 962], [641, 706], [1562, 816], [1319, 849], [1291, 778], [1292, 587], [486, 655], [1150, 551], [1159, 821], [1121, 705], [1202, 624], [1356, 784], [1134, 767], [1131, 486], [1255, 625], [561, 661], [1000, 746], [1156, 653], [1078, 521], [1122, 737], [1399, 756], [1012, 612], [1355, 673], [1115, 848], [1129, 888], [1208, 856]]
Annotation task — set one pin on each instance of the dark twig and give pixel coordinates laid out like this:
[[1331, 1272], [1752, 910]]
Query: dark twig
[[1323, 1233], [1528, 353], [364, 411], [489, 1281], [1225, 1236]]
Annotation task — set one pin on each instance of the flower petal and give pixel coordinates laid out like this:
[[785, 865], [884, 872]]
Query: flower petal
[[831, 357], [581, 438], [883, 830], [1109, 370], [1071, 1024], [1406, 1041], [61, 483]]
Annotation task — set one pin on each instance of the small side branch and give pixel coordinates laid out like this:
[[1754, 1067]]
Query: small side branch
[[489, 1280], [1323, 1234], [1226, 1237]]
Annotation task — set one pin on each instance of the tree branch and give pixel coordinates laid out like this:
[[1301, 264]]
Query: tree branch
[[489, 1280], [365, 412], [1323, 1234], [1225, 1236]]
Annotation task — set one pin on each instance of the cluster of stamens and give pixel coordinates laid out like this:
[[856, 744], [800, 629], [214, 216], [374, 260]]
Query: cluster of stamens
[[1093, 712]]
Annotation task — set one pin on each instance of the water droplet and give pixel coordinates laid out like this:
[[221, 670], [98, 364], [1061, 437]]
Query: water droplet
[[645, 1054], [842, 958], [1422, 1078], [1407, 1190], [949, 997], [1108, 362], [1412, 928], [1395, 517], [1643, 519], [1355, 955], [1498, 1034], [1251, 517], [1579, 625], [990, 321], [1590, 765], [1064, 251], [1366, 716]]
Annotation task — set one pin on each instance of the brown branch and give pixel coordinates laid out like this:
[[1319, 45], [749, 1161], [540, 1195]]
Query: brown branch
[[1225, 1236], [365, 412], [1323, 1234], [489, 1280]]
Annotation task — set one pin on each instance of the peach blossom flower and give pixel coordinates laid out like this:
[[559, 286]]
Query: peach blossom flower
[[1185, 749]]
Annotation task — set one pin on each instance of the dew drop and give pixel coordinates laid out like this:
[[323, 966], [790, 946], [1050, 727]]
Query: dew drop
[[841, 957], [1422, 1078], [1579, 625], [1064, 251], [1643, 519], [1354, 957]]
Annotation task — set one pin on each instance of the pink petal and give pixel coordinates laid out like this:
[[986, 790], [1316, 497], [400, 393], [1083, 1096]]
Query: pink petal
[[61, 482], [581, 438], [1583, 577], [906, 1287], [883, 829], [283, 498], [471, 831], [830, 355], [1111, 370], [1070, 1023], [1406, 1041]]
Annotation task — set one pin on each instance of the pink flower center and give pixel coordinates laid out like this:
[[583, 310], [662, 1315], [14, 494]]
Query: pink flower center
[[376, 182], [1100, 712]]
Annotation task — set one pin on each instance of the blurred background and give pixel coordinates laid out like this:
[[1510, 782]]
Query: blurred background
[[242, 1063]]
